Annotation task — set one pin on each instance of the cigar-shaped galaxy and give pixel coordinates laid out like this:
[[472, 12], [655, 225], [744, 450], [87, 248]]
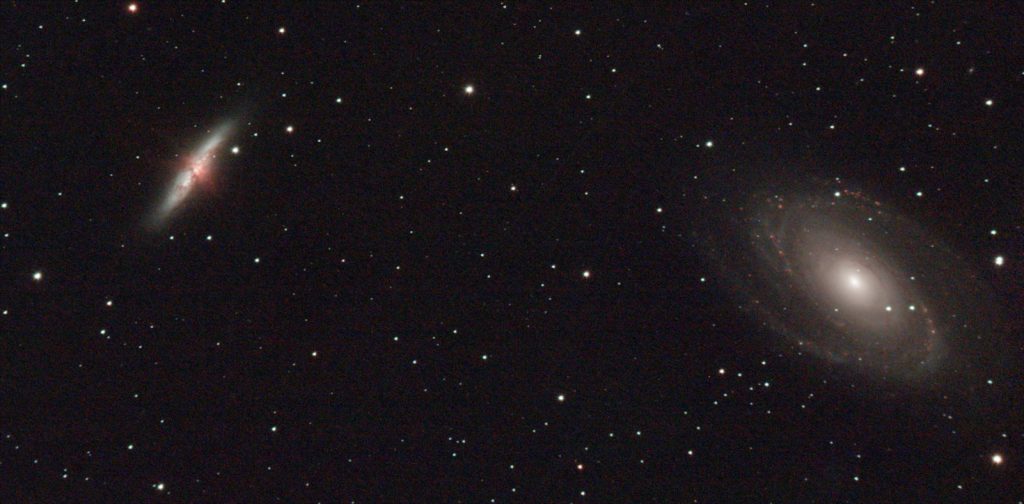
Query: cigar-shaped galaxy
[[196, 168], [841, 277]]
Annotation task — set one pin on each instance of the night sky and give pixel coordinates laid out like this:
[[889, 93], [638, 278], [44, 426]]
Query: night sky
[[509, 252]]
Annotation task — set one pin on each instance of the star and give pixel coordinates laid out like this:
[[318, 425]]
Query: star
[[37, 276], [133, 8], [469, 89], [919, 72], [997, 459]]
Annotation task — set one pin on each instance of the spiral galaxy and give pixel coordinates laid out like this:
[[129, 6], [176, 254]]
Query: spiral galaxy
[[841, 277]]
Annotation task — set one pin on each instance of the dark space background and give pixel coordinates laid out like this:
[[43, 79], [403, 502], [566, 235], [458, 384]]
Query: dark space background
[[423, 294]]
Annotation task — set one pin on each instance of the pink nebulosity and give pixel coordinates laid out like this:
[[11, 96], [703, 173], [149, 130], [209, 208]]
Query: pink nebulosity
[[197, 169]]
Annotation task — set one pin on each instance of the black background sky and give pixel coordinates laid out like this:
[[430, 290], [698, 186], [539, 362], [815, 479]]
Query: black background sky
[[422, 294]]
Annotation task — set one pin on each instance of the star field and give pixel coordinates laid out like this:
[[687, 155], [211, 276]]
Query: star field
[[511, 252]]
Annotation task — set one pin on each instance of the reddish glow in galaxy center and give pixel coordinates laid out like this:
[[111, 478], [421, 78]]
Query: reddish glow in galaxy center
[[196, 170]]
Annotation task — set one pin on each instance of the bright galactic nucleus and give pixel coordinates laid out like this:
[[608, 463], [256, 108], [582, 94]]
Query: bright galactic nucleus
[[840, 276]]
